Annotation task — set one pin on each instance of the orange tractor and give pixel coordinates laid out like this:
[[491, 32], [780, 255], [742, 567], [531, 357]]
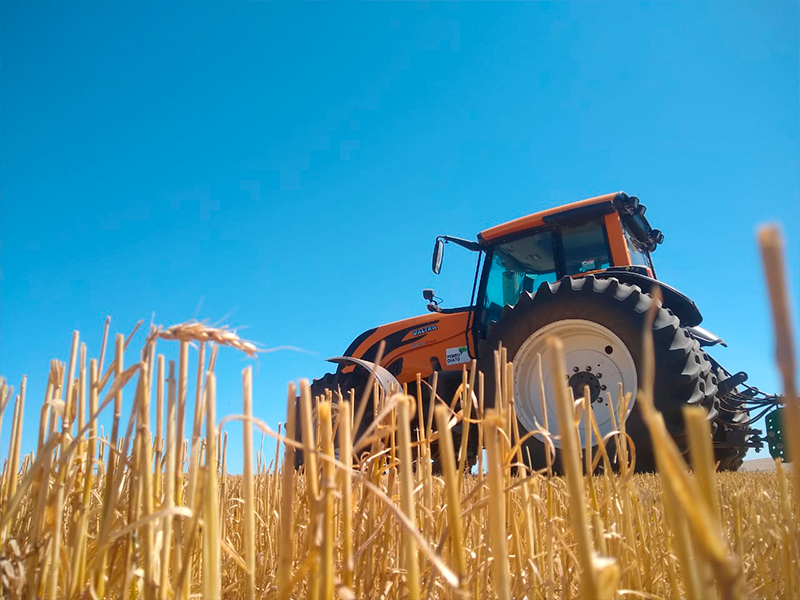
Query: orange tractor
[[584, 273]]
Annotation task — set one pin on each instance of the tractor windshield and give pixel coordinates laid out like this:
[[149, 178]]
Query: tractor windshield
[[636, 249]]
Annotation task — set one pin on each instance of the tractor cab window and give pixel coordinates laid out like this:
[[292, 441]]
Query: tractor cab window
[[585, 248], [517, 266], [636, 250]]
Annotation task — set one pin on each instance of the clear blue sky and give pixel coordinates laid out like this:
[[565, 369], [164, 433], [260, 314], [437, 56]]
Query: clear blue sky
[[286, 167]]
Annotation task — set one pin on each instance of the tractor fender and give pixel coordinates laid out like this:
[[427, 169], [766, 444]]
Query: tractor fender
[[680, 304], [385, 379]]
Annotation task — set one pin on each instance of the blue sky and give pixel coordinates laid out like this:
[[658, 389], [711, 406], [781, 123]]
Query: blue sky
[[286, 167]]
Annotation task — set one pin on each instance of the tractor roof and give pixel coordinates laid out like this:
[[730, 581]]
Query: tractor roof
[[537, 219]]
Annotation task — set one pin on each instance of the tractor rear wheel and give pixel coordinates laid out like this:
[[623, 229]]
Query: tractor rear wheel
[[601, 323]]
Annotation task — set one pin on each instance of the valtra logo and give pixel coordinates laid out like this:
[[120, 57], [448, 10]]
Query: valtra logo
[[423, 330]]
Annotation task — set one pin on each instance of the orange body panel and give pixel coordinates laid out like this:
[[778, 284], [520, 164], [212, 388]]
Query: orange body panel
[[537, 219], [420, 341]]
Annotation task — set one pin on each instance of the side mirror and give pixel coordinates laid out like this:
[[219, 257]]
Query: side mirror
[[427, 294], [438, 255]]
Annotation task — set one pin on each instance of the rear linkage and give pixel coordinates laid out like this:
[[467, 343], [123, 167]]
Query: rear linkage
[[738, 398], [735, 396]]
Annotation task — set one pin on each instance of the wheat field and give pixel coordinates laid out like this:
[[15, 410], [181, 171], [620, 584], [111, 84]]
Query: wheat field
[[141, 512]]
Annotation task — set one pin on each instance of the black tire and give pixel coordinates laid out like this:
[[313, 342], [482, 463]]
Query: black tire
[[356, 380], [457, 434], [732, 417], [682, 375], [335, 382], [447, 387]]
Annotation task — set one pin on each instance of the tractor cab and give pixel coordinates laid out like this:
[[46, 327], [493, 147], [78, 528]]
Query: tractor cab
[[598, 236], [579, 239]]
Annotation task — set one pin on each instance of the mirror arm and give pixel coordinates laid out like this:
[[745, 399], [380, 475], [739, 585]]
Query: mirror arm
[[474, 246]]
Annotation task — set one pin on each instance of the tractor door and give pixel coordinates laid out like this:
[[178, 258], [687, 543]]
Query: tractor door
[[513, 267]]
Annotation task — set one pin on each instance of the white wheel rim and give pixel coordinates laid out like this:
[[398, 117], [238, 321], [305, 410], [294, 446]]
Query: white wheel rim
[[586, 344]]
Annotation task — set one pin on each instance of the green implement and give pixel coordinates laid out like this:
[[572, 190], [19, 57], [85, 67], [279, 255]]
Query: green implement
[[774, 422]]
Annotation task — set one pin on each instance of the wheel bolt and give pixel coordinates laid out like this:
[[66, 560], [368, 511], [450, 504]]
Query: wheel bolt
[[575, 369], [602, 387], [588, 368], [599, 375]]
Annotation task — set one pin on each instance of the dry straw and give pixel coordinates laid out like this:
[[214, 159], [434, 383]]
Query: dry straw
[[134, 512]]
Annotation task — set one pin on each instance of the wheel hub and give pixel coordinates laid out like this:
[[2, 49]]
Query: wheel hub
[[595, 357], [581, 380]]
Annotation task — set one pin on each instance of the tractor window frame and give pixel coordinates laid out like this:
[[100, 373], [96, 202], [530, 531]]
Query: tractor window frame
[[471, 334]]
